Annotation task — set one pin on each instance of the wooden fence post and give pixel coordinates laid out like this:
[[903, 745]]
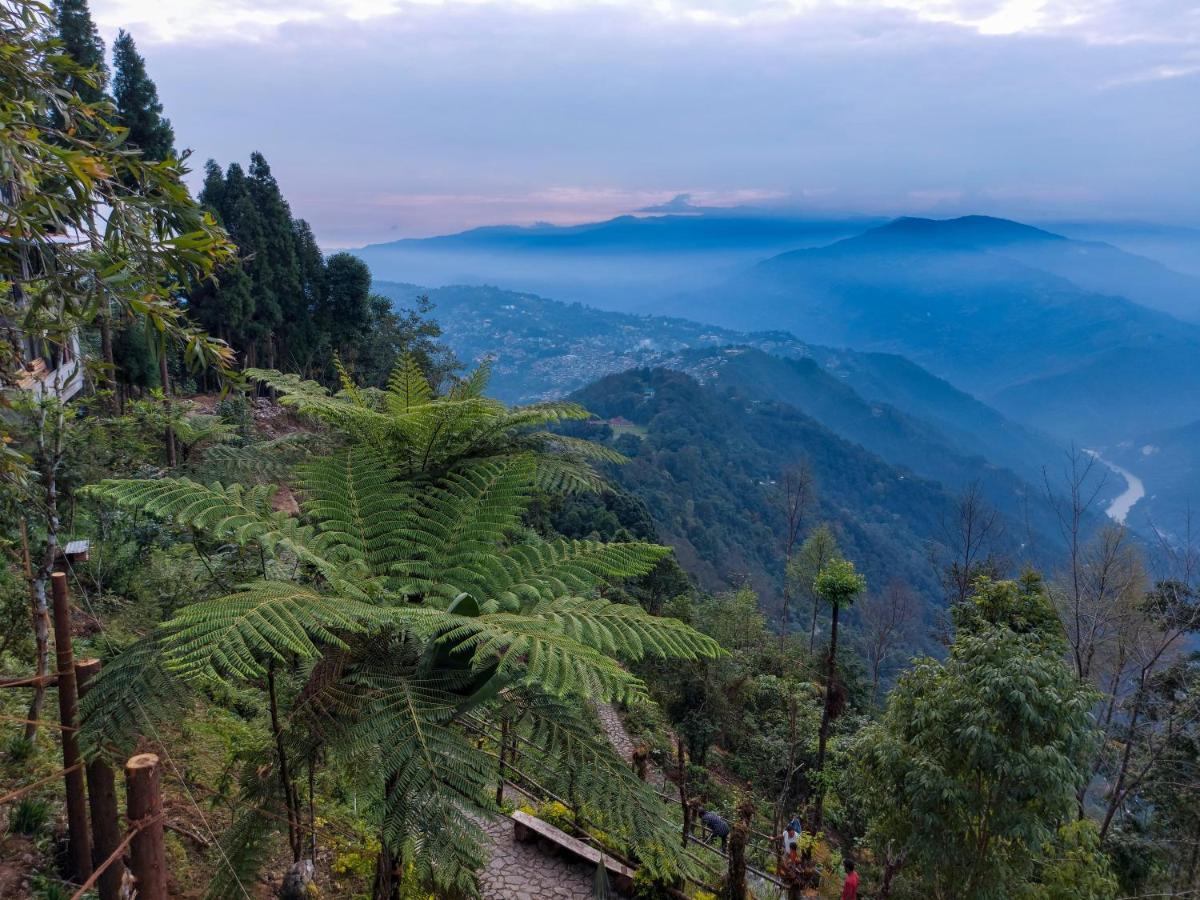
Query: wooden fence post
[[79, 844], [683, 792], [735, 882], [144, 807], [503, 750], [102, 801]]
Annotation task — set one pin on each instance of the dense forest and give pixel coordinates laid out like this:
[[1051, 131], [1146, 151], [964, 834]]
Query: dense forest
[[361, 616]]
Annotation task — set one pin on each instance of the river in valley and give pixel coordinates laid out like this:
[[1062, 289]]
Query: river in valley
[[1134, 491]]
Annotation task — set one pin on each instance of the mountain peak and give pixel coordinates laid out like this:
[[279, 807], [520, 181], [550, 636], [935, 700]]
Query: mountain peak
[[964, 231]]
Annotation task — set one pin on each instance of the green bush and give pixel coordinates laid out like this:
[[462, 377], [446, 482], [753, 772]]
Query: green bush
[[29, 816], [18, 749]]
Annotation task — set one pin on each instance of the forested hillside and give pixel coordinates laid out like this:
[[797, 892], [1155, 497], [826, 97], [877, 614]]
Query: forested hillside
[[710, 467]]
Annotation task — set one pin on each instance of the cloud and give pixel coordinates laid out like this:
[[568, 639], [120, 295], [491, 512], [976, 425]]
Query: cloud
[[1093, 20], [680, 203], [422, 116]]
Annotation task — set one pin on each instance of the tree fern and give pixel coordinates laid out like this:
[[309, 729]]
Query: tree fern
[[407, 594]]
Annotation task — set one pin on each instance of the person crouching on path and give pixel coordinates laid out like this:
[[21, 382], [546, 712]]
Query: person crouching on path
[[717, 827]]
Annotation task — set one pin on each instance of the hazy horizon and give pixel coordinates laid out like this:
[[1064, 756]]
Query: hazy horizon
[[385, 119]]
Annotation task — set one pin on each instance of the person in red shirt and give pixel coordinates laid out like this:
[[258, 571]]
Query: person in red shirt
[[850, 887]]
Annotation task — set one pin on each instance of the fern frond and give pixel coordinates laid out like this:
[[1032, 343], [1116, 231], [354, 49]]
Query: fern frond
[[234, 513], [132, 696], [261, 461], [562, 475], [520, 648], [474, 384], [407, 386], [625, 630], [456, 526], [435, 784], [355, 497], [244, 847], [233, 635], [543, 570], [568, 743]]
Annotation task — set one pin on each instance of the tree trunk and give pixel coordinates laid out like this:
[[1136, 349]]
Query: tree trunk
[[812, 626], [41, 632], [1118, 791], [290, 797], [500, 773], [165, 378], [683, 794], [823, 734], [735, 881], [387, 876]]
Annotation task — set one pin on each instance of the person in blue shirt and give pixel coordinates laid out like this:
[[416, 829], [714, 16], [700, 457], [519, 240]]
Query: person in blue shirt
[[717, 827]]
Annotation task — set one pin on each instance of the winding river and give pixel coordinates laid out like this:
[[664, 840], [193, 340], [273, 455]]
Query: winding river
[[1134, 491]]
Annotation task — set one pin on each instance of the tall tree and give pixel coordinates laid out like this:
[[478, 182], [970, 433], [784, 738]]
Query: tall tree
[[818, 550], [82, 43], [345, 310], [795, 498], [838, 585], [974, 766], [138, 106], [886, 622]]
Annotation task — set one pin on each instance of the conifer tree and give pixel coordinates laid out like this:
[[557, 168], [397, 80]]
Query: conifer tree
[[82, 43], [138, 106], [345, 314]]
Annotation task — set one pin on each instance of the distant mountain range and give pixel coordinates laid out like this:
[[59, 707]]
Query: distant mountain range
[[890, 407], [963, 299], [975, 336], [628, 263]]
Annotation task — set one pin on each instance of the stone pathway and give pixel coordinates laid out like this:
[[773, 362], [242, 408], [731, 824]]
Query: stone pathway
[[614, 728], [524, 872]]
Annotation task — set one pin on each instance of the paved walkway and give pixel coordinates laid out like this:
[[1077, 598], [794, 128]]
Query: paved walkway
[[523, 872], [518, 871]]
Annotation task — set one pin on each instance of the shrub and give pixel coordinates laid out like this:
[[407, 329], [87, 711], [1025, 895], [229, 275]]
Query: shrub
[[29, 816]]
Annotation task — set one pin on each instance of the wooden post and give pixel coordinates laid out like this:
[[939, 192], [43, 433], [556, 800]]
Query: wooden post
[[735, 883], [102, 801], [80, 850], [503, 749], [683, 795], [144, 803]]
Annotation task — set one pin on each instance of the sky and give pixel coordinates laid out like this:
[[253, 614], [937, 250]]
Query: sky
[[385, 119]]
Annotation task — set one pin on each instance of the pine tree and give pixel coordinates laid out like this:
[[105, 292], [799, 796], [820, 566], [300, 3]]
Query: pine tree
[[307, 343], [82, 43], [138, 106], [345, 313], [280, 298]]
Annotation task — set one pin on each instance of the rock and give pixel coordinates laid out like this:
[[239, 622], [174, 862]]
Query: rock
[[299, 883]]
